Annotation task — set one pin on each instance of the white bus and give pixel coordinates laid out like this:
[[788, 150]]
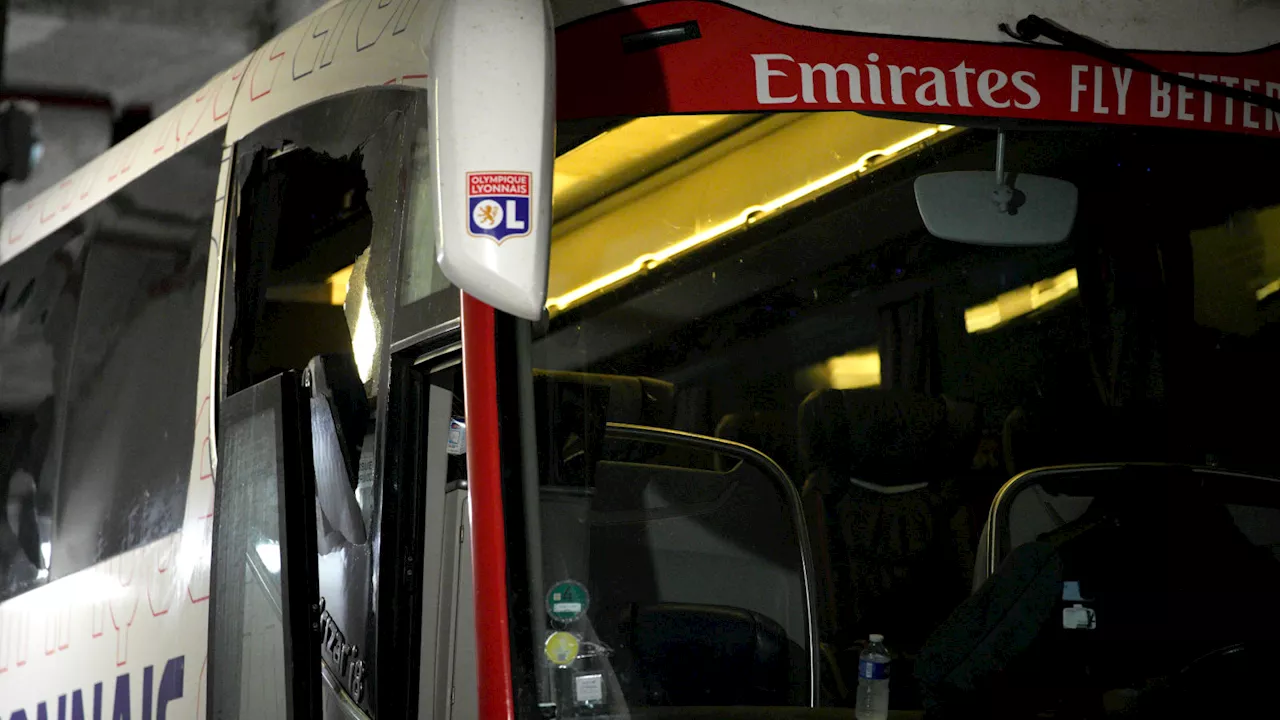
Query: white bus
[[514, 359]]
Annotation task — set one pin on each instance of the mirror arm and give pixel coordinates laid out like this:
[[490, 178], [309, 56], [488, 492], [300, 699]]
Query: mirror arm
[[999, 157], [1002, 195]]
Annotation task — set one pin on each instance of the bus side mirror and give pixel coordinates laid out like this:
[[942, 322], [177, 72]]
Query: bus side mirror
[[492, 147], [971, 207]]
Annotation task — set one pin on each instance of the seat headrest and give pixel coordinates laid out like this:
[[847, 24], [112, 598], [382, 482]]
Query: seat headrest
[[632, 399], [573, 409], [741, 427], [887, 437], [771, 433], [1041, 434]]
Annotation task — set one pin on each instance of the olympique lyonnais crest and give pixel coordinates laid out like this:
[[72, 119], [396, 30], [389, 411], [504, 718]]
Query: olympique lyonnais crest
[[498, 204]]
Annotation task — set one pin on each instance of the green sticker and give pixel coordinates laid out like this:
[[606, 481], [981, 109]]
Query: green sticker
[[567, 601]]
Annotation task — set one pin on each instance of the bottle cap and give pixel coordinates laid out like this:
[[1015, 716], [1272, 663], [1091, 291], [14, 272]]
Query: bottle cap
[[875, 638]]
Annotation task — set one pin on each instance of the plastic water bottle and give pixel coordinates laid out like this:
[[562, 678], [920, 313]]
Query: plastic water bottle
[[873, 681]]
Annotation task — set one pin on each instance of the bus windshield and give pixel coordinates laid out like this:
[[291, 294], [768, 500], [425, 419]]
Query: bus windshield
[[773, 412]]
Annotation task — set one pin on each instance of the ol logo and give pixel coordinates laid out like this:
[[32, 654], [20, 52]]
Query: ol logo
[[498, 204]]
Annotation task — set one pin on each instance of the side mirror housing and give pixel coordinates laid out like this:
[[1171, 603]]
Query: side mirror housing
[[492, 148]]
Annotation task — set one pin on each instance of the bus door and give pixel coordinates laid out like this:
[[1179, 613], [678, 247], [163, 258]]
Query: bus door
[[264, 599], [325, 199], [334, 291]]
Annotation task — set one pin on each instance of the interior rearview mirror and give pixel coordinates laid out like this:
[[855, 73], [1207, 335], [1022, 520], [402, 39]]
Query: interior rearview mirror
[[972, 207]]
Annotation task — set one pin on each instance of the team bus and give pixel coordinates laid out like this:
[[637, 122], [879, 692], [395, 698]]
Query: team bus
[[513, 359]]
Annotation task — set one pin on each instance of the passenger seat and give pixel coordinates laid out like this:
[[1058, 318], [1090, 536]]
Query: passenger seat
[[1041, 434], [768, 432], [887, 526]]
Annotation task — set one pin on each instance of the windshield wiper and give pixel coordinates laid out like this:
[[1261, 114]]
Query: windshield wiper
[[1033, 27]]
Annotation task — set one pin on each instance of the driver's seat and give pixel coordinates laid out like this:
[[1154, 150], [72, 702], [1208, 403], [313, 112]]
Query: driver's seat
[[1153, 575]]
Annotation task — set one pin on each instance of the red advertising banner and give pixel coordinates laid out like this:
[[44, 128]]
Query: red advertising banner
[[724, 59]]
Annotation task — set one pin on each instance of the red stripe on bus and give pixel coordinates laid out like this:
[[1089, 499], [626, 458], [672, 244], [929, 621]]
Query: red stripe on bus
[[488, 541]]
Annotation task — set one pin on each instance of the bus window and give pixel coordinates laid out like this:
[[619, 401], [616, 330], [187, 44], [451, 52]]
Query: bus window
[[41, 298], [263, 637], [104, 436], [768, 280], [323, 196], [427, 302]]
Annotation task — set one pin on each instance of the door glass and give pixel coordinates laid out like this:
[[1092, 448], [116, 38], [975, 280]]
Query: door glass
[[261, 647], [325, 197]]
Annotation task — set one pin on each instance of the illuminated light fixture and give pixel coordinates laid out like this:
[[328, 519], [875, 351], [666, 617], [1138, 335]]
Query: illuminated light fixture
[[1267, 290], [269, 553], [337, 283], [750, 214], [855, 369], [332, 291], [1021, 301], [858, 369]]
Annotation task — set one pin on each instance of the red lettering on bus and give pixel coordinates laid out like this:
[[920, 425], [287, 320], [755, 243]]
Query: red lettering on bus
[[260, 88]]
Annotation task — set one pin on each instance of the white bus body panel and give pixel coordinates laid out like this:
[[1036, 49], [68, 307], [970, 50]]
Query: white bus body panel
[[346, 45], [140, 620]]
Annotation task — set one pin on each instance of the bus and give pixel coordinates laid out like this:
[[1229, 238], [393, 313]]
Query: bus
[[519, 359]]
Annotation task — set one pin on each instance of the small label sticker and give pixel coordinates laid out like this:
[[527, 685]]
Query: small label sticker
[[1079, 617], [457, 437], [561, 648], [498, 204], [873, 670], [567, 601], [1071, 591], [588, 689]]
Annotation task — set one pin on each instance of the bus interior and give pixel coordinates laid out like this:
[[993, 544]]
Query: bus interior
[[749, 306]]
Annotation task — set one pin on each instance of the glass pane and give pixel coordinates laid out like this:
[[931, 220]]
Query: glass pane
[[99, 351], [769, 280], [326, 196], [39, 299], [259, 664], [137, 357], [420, 276], [1106, 557]]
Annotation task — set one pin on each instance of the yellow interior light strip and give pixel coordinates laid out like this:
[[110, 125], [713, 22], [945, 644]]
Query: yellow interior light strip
[[650, 260], [1021, 301], [1267, 290]]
